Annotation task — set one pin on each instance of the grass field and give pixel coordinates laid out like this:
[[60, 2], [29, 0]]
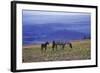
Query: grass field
[[81, 51]]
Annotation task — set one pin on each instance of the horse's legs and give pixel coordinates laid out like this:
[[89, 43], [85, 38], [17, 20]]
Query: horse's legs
[[45, 48], [56, 46], [53, 47], [70, 45], [63, 47], [41, 48]]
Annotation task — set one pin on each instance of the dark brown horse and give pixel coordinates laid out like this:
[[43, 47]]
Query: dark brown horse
[[61, 44], [44, 46], [54, 45]]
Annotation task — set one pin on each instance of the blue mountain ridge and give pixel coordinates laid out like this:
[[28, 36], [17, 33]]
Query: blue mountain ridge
[[36, 34]]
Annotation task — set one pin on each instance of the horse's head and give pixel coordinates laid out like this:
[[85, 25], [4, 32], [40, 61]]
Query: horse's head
[[47, 43], [53, 41]]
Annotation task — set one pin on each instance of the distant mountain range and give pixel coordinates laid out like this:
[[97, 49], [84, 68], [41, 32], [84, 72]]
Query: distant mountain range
[[37, 34]]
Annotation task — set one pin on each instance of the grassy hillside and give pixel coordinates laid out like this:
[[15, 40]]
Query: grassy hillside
[[81, 51]]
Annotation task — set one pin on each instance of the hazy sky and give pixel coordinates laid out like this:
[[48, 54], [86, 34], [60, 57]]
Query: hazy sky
[[66, 20]]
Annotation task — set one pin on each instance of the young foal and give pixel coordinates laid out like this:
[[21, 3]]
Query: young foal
[[44, 46]]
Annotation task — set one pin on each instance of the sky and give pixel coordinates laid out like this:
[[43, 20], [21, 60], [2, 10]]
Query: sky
[[61, 20]]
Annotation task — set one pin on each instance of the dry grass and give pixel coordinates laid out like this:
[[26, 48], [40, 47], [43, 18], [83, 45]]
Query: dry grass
[[81, 51]]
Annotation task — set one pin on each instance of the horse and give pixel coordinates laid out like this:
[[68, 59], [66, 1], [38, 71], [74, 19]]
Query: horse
[[44, 46], [61, 44], [56, 44]]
